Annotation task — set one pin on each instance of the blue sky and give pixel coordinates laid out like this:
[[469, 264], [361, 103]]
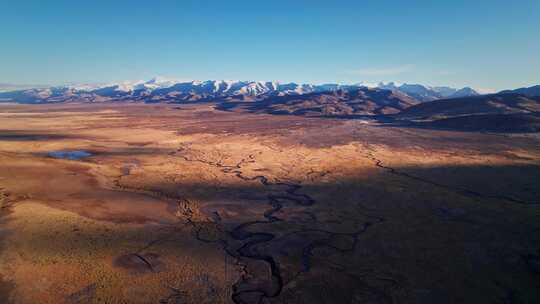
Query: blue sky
[[484, 44]]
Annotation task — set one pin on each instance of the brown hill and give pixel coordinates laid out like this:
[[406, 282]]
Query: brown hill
[[363, 101], [495, 113], [509, 123], [477, 105], [530, 91]]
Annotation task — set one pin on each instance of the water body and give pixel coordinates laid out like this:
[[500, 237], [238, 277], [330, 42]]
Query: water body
[[71, 155]]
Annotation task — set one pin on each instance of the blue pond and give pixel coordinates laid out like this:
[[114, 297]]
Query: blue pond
[[71, 155]]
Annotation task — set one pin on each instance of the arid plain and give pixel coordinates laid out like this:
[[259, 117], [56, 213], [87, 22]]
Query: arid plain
[[189, 204]]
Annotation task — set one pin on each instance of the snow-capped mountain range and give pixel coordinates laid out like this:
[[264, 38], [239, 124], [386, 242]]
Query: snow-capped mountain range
[[170, 90]]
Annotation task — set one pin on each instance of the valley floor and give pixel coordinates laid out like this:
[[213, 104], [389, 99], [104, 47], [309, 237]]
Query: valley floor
[[188, 204]]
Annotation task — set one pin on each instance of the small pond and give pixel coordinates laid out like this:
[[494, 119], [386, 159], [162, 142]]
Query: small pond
[[71, 155]]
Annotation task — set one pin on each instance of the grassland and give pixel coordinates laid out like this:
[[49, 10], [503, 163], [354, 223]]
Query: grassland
[[188, 204]]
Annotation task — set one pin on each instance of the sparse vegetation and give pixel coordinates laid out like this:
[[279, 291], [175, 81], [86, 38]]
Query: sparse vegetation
[[204, 206]]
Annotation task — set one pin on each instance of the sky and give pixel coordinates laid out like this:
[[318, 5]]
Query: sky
[[488, 45]]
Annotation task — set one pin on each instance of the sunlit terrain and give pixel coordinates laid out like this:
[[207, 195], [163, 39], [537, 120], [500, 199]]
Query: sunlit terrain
[[135, 203]]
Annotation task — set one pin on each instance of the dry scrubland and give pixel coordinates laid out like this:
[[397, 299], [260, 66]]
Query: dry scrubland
[[187, 204]]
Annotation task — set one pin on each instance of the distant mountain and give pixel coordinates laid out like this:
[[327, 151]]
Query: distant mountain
[[359, 101], [427, 93], [413, 104], [165, 90], [530, 91], [465, 92]]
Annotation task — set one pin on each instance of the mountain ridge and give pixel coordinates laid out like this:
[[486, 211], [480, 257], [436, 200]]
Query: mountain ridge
[[356, 102], [501, 112], [528, 91], [166, 90]]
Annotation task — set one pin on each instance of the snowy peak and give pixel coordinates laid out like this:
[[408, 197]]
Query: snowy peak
[[465, 92], [428, 93], [171, 90]]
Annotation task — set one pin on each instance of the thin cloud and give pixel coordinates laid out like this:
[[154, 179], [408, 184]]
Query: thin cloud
[[384, 71], [486, 90]]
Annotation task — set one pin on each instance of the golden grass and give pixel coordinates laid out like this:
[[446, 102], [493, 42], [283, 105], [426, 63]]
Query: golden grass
[[155, 168]]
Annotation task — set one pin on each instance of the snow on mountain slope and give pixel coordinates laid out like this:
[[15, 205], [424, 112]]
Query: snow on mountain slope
[[360, 101], [428, 93], [163, 89]]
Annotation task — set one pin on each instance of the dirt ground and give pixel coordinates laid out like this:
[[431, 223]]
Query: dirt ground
[[188, 204]]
